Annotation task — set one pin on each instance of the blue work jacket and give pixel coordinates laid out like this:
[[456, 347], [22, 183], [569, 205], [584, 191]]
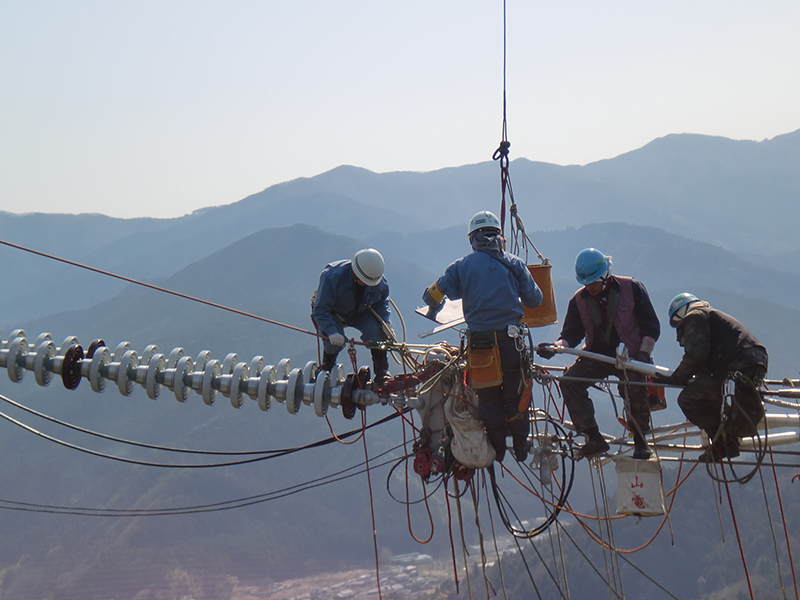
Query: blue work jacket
[[491, 289], [336, 297]]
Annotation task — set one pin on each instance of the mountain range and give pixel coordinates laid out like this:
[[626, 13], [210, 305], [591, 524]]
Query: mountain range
[[685, 213]]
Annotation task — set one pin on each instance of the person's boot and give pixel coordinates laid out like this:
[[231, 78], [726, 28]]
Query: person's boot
[[595, 444], [732, 447], [640, 449], [714, 454], [522, 448], [380, 364], [328, 361], [725, 447]]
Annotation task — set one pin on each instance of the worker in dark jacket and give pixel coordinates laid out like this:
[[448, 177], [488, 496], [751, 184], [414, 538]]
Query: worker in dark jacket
[[717, 348], [606, 311], [491, 283], [353, 293]]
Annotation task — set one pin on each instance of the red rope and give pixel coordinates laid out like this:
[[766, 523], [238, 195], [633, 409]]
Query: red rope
[[783, 518], [408, 499], [738, 537]]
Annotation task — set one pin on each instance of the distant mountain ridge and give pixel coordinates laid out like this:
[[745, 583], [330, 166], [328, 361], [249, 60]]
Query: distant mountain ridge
[[741, 195]]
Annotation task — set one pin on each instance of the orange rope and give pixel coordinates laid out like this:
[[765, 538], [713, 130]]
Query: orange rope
[[337, 438], [590, 533]]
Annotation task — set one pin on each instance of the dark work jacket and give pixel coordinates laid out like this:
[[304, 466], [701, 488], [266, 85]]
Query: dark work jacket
[[715, 343], [635, 318]]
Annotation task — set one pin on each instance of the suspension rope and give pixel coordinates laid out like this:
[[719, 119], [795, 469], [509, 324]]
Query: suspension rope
[[158, 288]]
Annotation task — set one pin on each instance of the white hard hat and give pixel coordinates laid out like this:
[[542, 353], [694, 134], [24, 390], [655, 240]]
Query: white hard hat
[[483, 219], [368, 266]]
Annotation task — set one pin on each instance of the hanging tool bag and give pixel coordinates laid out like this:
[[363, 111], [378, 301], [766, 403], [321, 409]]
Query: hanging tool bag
[[470, 444], [545, 313], [483, 360]]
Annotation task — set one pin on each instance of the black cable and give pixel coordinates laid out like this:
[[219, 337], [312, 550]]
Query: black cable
[[156, 288], [215, 507], [533, 545], [324, 442], [567, 480], [591, 564], [129, 442], [404, 459]]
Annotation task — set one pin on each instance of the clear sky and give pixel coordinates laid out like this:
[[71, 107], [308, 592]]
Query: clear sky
[[160, 107]]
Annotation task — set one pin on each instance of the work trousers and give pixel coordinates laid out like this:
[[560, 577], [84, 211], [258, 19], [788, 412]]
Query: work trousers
[[580, 406], [365, 322], [498, 406], [701, 402]]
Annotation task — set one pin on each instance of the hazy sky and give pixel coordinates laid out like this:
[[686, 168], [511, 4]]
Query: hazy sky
[[159, 107]]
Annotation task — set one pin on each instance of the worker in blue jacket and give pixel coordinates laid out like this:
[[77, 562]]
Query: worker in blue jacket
[[491, 283], [353, 293]]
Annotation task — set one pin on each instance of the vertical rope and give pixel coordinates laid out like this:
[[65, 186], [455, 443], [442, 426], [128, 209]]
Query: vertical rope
[[611, 590], [450, 530], [772, 531], [738, 537], [475, 498], [371, 504], [783, 518], [494, 537], [463, 541], [610, 528]]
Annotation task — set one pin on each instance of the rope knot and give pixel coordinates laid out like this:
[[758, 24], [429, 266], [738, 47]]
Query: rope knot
[[502, 151]]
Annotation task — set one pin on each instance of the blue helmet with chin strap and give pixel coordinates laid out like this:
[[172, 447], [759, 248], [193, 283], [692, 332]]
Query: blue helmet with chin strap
[[591, 265], [679, 306]]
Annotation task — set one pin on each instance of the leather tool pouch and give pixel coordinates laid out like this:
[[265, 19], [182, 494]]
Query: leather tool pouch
[[483, 361]]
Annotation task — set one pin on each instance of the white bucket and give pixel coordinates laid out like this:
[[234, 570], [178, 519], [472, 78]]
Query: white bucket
[[639, 490]]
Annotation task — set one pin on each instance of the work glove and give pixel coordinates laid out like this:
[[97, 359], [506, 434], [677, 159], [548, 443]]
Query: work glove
[[545, 350], [659, 377], [433, 311], [643, 356], [336, 339]]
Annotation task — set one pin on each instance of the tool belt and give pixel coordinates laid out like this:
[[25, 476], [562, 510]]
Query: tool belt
[[483, 360]]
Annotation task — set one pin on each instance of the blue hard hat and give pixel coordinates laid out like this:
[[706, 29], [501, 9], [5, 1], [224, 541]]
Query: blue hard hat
[[681, 301], [591, 265]]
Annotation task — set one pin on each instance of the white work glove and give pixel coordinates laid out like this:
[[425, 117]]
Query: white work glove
[[336, 339]]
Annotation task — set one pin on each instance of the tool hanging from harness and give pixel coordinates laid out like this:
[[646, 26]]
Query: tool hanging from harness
[[483, 360]]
